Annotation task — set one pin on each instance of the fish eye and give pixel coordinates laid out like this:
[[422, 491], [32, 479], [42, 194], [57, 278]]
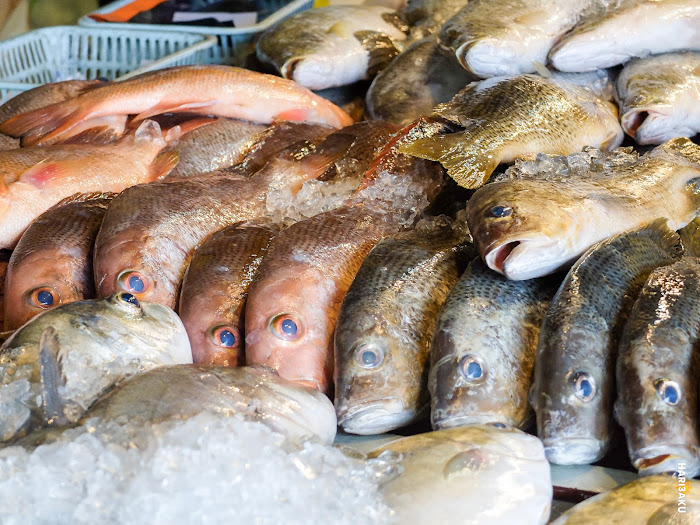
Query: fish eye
[[584, 386], [668, 391], [286, 326], [498, 425], [471, 368], [499, 211], [128, 298], [133, 282], [369, 356], [226, 336], [44, 297]]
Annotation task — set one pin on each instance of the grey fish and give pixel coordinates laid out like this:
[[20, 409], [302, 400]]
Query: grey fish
[[657, 367], [483, 352], [426, 17], [384, 329], [573, 391]]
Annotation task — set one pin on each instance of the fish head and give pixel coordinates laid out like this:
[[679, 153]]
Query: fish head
[[289, 319], [525, 229]]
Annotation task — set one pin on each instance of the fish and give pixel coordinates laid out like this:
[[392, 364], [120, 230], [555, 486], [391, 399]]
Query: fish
[[632, 28], [416, 81], [214, 291], [508, 37], [196, 89], [215, 146], [654, 500], [52, 262], [601, 81], [574, 387], [448, 476], [542, 115], [657, 367], [385, 326], [331, 46], [425, 17], [94, 344], [4, 263], [482, 357], [151, 231], [658, 97], [7, 142], [110, 169], [532, 226]]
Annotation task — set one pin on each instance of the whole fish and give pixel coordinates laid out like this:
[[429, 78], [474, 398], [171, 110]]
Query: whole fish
[[483, 352], [448, 477], [416, 81], [54, 367], [636, 28], [529, 227], [655, 500], [659, 97], [52, 263], [331, 46], [509, 117], [150, 232], [657, 367], [384, 329], [574, 387], [97, 169], [215, 146], [193, 89], [508, 37], [215, 288]]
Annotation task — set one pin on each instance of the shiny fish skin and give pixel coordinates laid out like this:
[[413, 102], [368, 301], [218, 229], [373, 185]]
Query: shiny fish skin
[[554, 221], [495, 323], [215, 288], [636, 28], [659, 97], [514, 116], [574, 369], [506, 37], [54, 255], [390, 312]]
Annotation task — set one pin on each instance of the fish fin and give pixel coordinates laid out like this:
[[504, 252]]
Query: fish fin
[[97, 135], [397, 19], [163, 164], [41, 174], [159, 109], [50, 377], [670, 240], [467, 164], [84, 197], [690, 238], [381, 50], [43, 123], [178, 131], [327, 153], [541, 69], [294, 115], [686, 147]]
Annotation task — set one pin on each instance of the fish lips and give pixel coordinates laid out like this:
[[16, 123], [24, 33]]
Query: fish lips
[[574, 451], [660, 459], [375, 417], [523, 259], [651, 125]]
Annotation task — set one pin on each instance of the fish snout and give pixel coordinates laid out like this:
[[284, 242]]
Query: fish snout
[[667, 459], [374, 417], [574, 451]]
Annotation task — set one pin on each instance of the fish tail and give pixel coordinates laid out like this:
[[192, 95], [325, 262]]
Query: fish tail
[[469, 165], [163, 164], [44, 123], [328, 152], [690, 238], [52, 406]]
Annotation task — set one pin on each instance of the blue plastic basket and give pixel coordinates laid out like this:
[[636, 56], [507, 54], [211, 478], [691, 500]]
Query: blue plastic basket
[[71, 52], [233, 44]]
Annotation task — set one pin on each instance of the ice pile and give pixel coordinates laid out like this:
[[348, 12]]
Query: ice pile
[[208, 469]]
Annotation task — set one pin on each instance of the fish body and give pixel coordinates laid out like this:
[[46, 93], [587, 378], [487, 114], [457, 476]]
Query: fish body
[[483, 352], [507, 37], [249, 95], [659, 97], [513, 116], [573, 390], [52, 263], [635, 28], [215, 288], [99, 342], [384, 329], [529, 227], [448, 476], [330, 46]]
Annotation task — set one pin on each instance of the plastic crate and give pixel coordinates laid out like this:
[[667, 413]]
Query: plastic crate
[[69, 52], [234, 44]]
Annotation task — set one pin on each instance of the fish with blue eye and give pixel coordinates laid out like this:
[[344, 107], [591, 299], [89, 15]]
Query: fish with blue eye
[[499, 212], [471, 368], [44, 298], [129, 298], [286, 327], [668, 391], [584, 386], [133, 282], [369, 357]]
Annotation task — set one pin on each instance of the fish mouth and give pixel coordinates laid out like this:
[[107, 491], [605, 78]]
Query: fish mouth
[[463, 421], [375, 417], [288, 68], [496, 257], [632, 121], [574, 451], [665, 459]]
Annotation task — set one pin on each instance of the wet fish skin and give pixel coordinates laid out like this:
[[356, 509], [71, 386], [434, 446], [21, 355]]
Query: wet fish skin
[[541, 225], [426, 17], [506, 37], [513, 116], [636, 28], [494, 323], [54, 256], [573, 388], [389, 314], [658, 97], [215, 288]]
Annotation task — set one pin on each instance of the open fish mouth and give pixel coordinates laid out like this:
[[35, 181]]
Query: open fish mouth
[[667, 459], [496, 258], [288, 68]]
